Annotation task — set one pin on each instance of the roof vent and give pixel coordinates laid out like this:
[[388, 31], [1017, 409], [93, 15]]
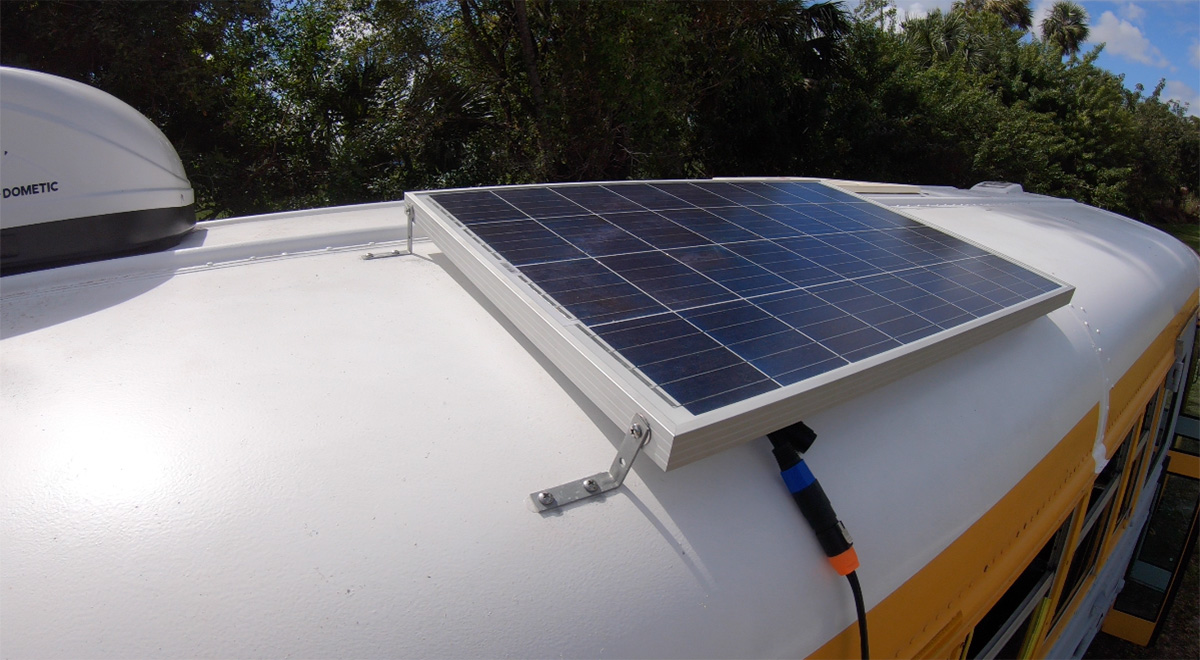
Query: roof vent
[[84, 176], [1001, 187]]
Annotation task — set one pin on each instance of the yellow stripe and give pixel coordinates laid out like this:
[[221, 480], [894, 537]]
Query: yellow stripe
[[931, 613], [952, 592], [1124, 396]]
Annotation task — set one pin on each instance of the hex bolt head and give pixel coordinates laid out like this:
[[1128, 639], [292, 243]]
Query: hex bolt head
[[546, 498], [590, 485]]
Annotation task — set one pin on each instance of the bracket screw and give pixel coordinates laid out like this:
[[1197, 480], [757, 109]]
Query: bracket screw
[[546, 498], [636, 431], [590, 485]]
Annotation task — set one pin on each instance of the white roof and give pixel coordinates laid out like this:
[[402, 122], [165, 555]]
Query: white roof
[[223, 450]]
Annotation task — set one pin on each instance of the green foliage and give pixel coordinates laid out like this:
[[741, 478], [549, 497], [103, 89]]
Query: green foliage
[[290, 103], [1066, 26], [182, 64]]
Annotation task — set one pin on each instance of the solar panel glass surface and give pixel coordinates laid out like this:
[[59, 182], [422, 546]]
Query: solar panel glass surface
[[717, 291]]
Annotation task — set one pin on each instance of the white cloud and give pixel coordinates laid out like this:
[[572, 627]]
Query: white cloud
[[910, 9], [1126, 40], [1132, 13], [1040, 12], [1183, 93], [1194, 51]]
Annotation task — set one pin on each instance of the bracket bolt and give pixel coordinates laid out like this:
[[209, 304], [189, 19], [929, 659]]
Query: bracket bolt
[[546, 498], [590, 485], [636, 431]]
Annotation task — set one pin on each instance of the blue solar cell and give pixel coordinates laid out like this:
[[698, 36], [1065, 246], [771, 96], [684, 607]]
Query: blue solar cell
[[792, 359], [614, 309], [878, 315], [540, 202], [790, 302], [726, 397], [812, 192], [713, 382], [910, 337], [719, 291], [683, 345], [720, 316], [772, 194], [808, 317], [573, 283], [754, 222], [732, 192], [595, 236], [645, 330], [799, 221], [868, 351], [478, 206], [598, 199], [524, 242], [854, 340], [765, 345], [589, 294], [825, 330], [734, 334], [656, 230], [805, 373], [686, 366], [840, 292], [694, 195], [649, 197], [903, 325], [712, 227]]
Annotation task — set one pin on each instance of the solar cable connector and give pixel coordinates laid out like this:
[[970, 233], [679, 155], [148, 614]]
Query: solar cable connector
[[788, 445]]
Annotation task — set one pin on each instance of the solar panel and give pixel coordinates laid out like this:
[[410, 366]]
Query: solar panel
[[726, 309]]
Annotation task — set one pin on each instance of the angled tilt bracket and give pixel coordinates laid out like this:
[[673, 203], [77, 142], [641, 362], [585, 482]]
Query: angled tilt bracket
[[636, 437], [409, 215]]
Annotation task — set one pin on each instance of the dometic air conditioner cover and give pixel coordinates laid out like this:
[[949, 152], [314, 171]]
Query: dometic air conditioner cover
[[84, 175]]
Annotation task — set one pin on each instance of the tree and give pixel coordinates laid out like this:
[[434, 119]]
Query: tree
[[185, 65], [763, 70], [1066, 27], [278, 105], [1016, 14], [938, 36], [610, 90]]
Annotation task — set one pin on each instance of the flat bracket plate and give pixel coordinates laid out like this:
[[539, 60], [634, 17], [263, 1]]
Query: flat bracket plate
[[635, 438]]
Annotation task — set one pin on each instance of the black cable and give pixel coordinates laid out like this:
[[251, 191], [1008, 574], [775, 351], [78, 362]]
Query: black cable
[[861, 608], [788, 445]]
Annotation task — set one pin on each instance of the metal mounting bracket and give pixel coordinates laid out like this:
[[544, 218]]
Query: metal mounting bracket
[[410, 216], [636, 437]]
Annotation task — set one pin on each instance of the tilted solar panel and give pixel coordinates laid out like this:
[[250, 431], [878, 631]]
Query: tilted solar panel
[[726, 309]]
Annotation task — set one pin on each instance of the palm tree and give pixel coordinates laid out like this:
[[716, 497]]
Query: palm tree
[[1066, 26], [938, 36], [1016, 14]]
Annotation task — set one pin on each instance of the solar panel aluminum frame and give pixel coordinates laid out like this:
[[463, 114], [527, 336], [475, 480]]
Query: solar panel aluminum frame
[[614, 386]]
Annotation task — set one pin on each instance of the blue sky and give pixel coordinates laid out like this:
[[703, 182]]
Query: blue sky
[[1147, 40]]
